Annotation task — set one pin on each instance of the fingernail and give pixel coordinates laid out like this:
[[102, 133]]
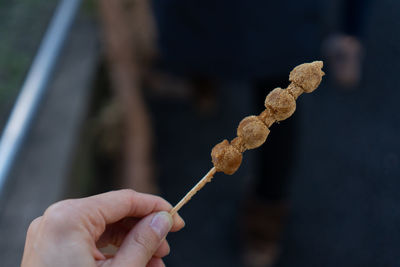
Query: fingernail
[[161, 223]]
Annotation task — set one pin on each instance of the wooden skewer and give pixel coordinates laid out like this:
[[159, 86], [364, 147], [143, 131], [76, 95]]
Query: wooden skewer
[[280, 104], [207, 178]]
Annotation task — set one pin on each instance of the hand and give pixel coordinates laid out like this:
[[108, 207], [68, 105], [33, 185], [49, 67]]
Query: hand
[[71, 232], [344, 58]]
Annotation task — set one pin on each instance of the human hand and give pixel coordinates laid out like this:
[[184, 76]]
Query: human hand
[[71, 232], [344, 58]]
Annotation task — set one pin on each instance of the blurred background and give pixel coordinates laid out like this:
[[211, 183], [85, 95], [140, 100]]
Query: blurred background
[[100, 95]]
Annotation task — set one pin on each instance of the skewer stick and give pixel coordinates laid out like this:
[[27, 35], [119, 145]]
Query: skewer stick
[[207, 178]]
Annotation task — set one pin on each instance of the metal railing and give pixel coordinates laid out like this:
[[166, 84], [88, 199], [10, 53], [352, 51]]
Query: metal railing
[[35, 86]]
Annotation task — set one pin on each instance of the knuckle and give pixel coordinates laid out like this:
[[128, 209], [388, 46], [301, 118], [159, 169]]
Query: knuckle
[[33, 226], [162, 200], [59, 213], [128, 192]]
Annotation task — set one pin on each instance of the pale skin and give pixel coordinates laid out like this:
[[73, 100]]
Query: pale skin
[[72, 232]]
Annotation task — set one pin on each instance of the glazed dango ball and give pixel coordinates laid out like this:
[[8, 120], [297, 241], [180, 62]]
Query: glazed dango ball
[[308, 75], [226, 158], [252, 131], [281, 103]]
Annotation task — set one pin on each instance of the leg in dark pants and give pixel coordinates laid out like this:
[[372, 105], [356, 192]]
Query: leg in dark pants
[[266, 207]]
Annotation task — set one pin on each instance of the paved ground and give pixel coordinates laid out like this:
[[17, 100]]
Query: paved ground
[[39, 176]]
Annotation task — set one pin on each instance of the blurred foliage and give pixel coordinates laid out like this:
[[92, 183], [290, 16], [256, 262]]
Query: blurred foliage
[[22, 25]]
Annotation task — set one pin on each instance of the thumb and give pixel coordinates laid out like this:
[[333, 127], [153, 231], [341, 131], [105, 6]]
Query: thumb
[[143, 240]]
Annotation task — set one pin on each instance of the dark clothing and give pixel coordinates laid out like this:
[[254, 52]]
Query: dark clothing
[[229, 41], [185, 138], [240, 39], [344, 194]]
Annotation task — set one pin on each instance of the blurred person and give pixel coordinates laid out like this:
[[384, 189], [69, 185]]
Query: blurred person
[[229, 55], [72, 232], [344, 197], [222, 58], [342, 47]]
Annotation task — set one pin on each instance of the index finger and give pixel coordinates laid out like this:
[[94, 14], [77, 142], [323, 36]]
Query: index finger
[[116, 205]]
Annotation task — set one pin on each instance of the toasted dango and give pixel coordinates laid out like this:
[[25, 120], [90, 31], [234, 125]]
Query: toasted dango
[[252, 131], [267, 117], [239, 144], [294, 90], [308, 75], [226, 158], [281, 103]]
